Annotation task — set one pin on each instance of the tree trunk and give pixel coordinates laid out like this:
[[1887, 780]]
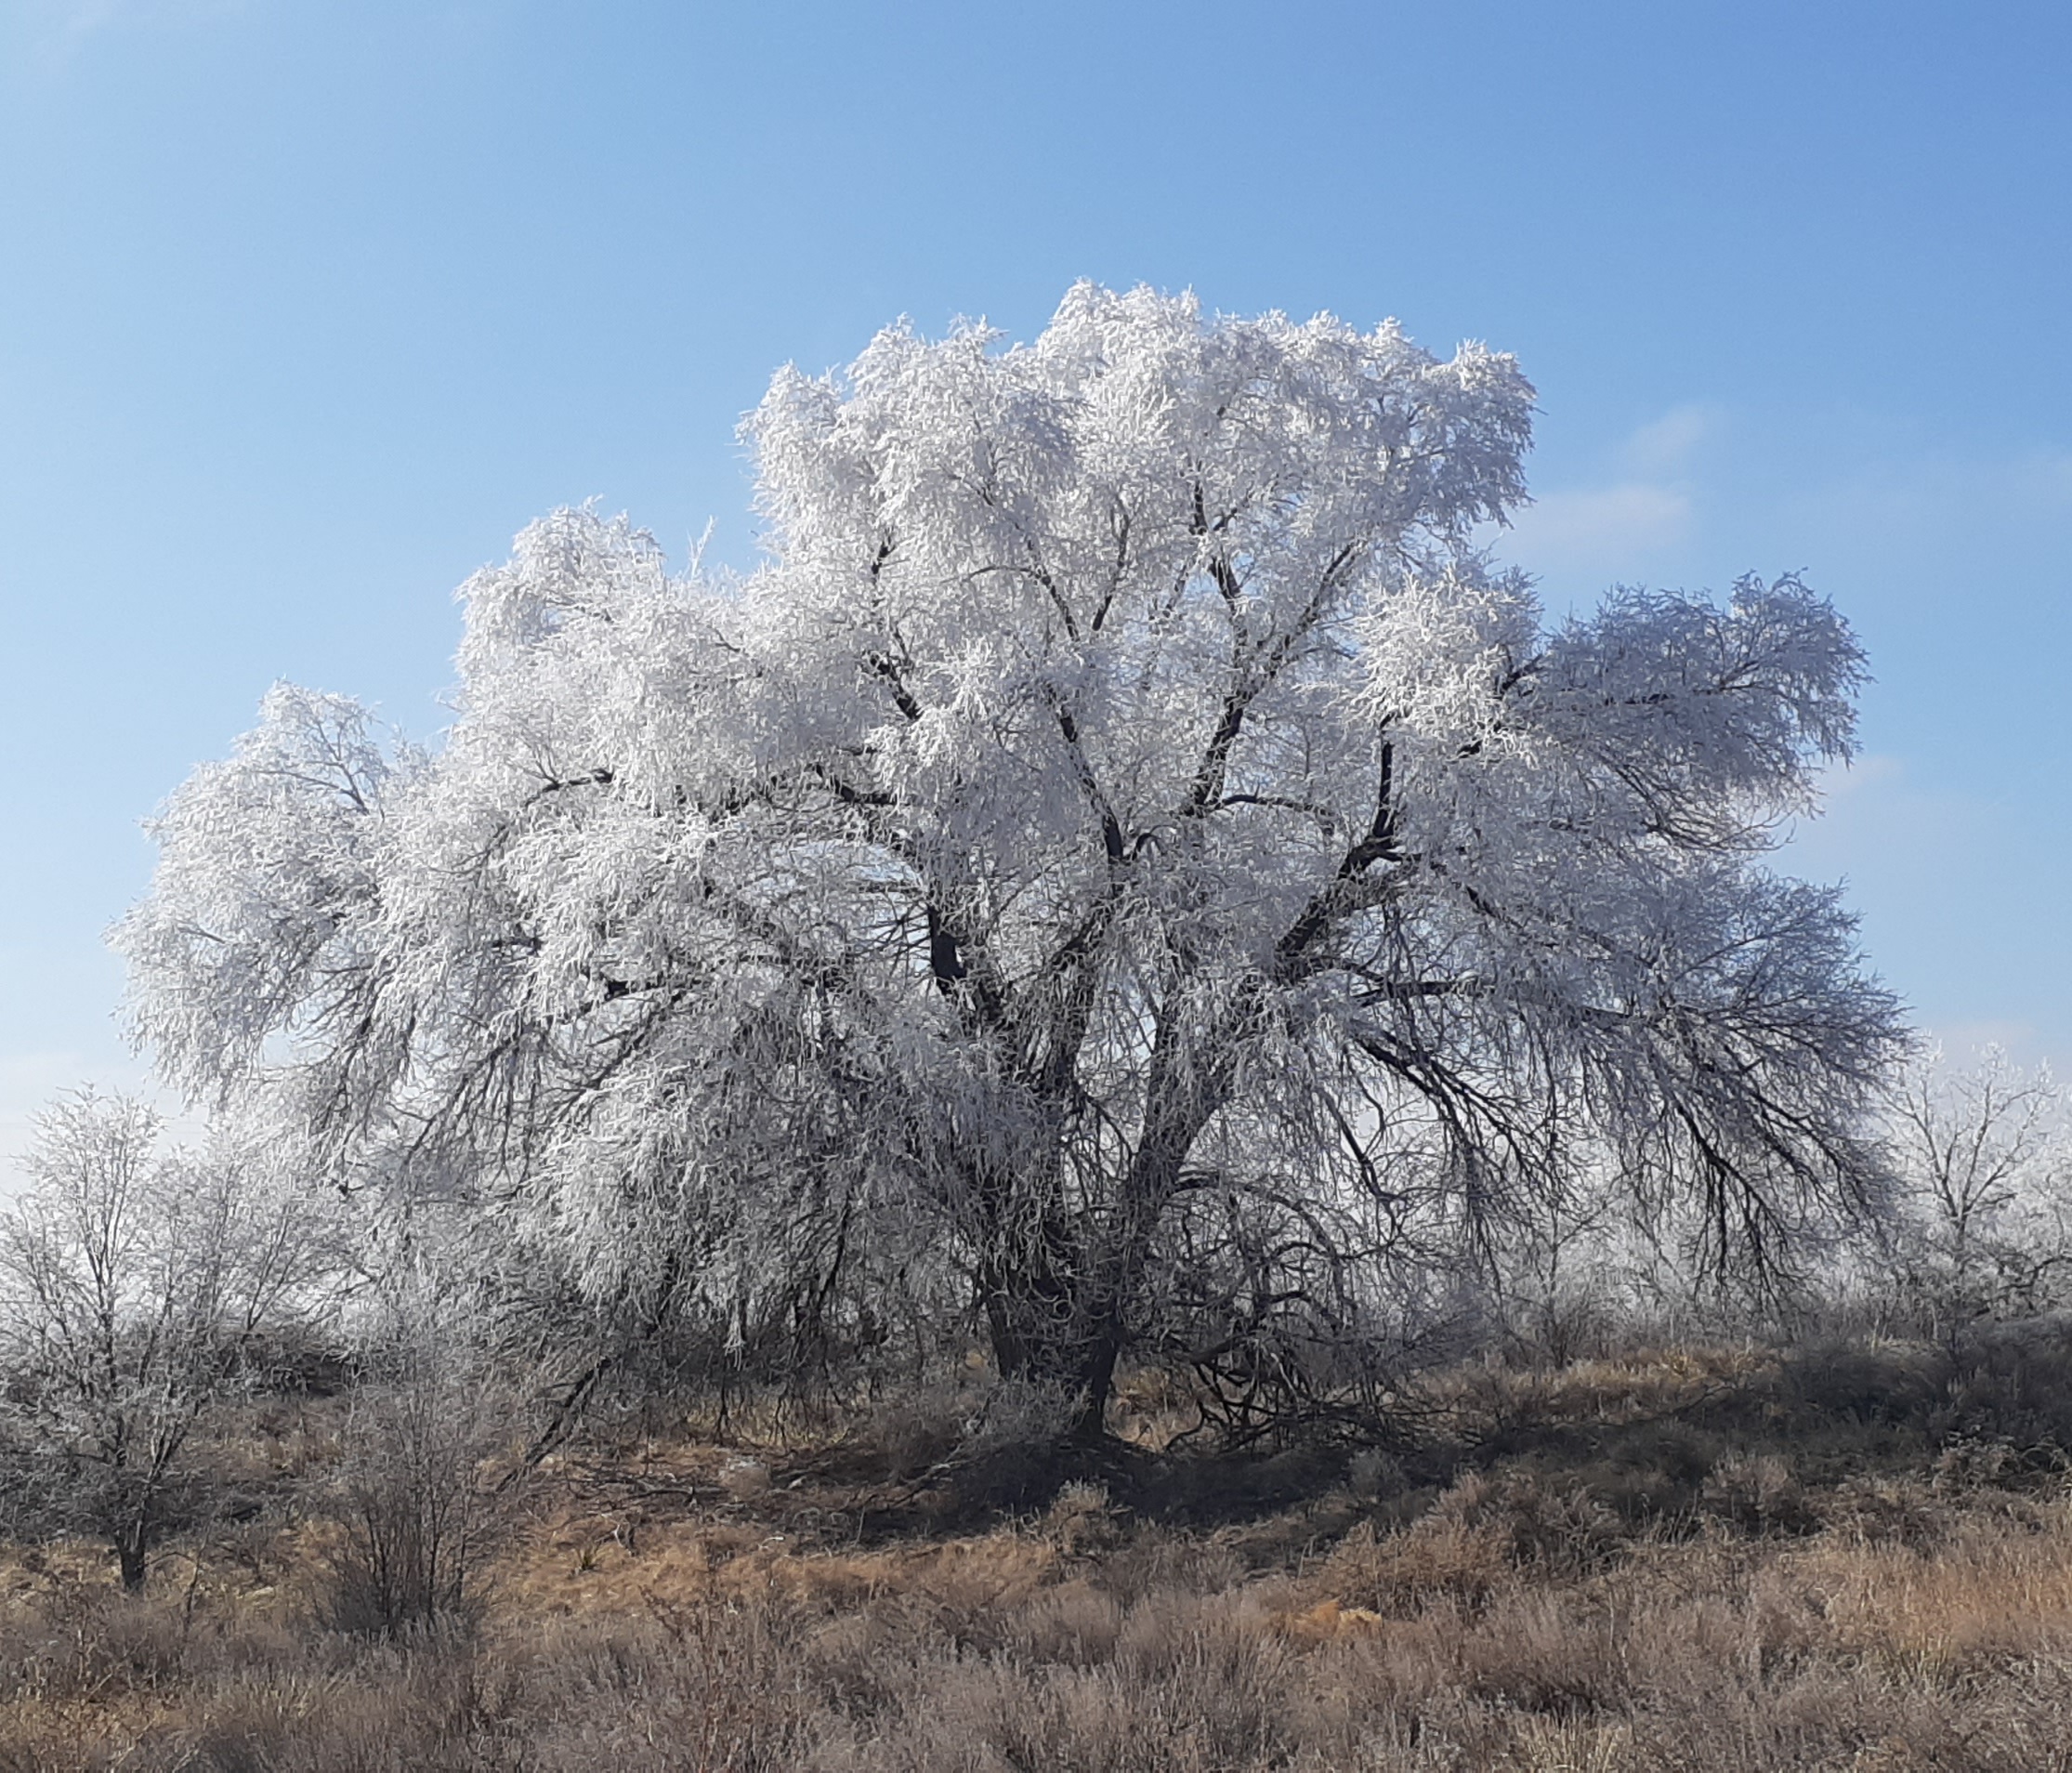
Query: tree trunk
[[1063, 1324], [1058, 1305], [1111, 1285], [1031, 1320], [129, 1556], [1097, 1383], [1073, 1353]]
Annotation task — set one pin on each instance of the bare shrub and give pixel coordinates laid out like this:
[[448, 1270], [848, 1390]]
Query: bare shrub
[[1371, 1472], [413, 1515], [1435, 1560], [1150, 1560], [923, 1426]]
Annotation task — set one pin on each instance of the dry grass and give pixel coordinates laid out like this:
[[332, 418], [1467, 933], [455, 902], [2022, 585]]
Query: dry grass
[[1708, 1562]]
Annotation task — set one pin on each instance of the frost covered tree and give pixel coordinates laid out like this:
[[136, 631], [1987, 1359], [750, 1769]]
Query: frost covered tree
[[1984, 1157], [1127, 864], [136, 1288]]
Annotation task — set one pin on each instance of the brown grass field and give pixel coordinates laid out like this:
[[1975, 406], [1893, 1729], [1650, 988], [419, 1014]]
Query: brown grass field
[[1859, 1558]]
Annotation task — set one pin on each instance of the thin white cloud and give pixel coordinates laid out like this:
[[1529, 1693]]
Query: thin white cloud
[[1873, 770], [1938, 874], [1630, 525], [1877, 812], [1663, 447], [1606, 531]]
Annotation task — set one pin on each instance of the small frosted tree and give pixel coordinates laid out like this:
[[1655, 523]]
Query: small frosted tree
[[135, 1289], [1127, 866], [1985, 1168]]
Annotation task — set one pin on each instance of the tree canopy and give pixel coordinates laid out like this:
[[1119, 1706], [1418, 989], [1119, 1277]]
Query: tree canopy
[[1128, 867]]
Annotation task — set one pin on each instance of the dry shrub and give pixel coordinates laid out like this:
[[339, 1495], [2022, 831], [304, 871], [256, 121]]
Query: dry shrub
[[1399, 1574], [1581, 1745], [1488, 1398], [412, 1516], [1993, 1594], [1082, 1522], [2013, 1384], [1370, 1474], [414, 1712], [711, 1686], [923, 1426], [1153, 1559], [1179, 1682], [1074, 1625], [1485, 1533], [965, 1417], [1888, 1383], [408, 1555], [1759, 1492]]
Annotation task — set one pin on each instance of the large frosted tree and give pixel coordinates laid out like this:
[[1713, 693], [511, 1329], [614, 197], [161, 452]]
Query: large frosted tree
[[1127, 858]]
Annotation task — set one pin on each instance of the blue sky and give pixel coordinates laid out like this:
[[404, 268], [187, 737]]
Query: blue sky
[[307, 306]]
